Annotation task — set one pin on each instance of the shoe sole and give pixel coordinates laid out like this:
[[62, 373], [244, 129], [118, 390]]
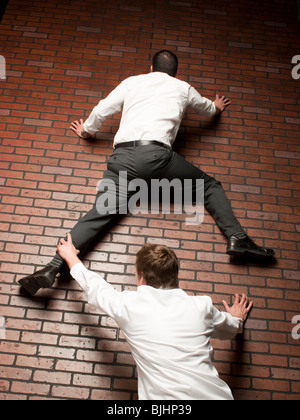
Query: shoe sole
[[33, 284], [244, 253]]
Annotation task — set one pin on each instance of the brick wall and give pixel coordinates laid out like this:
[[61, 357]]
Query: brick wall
[[62, 56]]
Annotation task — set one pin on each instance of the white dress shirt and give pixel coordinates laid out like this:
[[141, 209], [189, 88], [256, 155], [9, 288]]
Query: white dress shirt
[[153, 107], [169, 335]]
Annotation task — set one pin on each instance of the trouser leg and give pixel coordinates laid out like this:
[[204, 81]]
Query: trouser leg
[[107, 206], [219, 207], [215, 199]]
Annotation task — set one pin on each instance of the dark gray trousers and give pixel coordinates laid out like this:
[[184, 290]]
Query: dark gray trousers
[[151, 162]]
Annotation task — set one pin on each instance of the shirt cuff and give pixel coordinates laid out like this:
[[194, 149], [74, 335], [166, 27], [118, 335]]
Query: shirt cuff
[[89, 130], [214, 109], [76, 267], [240, 324], [77, 272]]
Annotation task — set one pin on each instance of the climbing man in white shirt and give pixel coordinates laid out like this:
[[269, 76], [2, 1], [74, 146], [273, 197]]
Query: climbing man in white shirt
[[167, 330], [153, 107]]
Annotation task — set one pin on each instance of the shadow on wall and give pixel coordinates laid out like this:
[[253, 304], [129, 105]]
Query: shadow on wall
[[3, 8]]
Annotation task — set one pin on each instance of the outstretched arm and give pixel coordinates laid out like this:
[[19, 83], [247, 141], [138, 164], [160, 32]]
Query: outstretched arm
[[106, 107], [230, 323], [206, 107], [98, 292]]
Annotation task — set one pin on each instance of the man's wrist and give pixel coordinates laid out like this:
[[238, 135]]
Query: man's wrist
[[72, 260], [218, 110], [85, 135]]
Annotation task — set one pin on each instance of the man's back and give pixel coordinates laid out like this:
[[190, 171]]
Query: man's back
[[153, 107], [168, 331], [169, 335]]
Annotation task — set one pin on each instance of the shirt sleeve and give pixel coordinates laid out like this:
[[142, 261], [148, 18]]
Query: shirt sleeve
[[110, 105], [225, 326], [200, 104], [99, 293]]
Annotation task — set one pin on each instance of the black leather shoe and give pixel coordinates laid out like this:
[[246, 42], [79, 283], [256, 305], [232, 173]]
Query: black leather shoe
[[40, 279], [241, 245]]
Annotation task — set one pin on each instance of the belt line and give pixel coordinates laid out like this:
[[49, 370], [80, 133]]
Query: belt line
[[137, 143]]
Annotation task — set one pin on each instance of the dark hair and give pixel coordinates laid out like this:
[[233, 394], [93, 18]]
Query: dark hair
[[158, 265], [166, 62]]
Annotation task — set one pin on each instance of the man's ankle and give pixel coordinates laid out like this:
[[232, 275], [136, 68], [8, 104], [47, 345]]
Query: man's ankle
[[57, 262]]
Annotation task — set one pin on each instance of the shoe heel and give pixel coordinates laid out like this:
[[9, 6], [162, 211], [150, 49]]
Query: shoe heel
[[31, 287]]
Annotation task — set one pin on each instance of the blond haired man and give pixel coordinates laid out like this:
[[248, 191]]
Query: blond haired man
[[167, 330]]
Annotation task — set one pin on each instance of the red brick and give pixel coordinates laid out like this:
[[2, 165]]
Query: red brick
[[70, 392], [35, 389], [57, 71]]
